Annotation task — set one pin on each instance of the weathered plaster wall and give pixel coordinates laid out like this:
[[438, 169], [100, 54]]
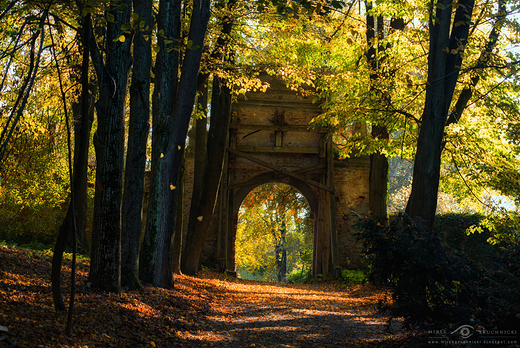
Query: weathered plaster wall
[[351, 182]]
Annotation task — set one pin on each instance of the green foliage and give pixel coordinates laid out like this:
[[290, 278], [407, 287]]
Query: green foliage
[[354, 276], [303, 274], [299, 276], [34, 170], [502, 231], [34, 185], [502, 227], [330, 54], [435, 286]]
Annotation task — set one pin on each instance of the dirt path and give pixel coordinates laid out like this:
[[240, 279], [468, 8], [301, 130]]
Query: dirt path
[[256, 314], [209, 310]]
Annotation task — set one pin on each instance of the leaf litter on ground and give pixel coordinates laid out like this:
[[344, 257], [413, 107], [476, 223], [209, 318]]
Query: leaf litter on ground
[[209, 310]]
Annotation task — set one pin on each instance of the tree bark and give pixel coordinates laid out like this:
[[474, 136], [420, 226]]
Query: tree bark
[[378, 186], [281, 252], [484, 58], [179, 223], [136, 151], [217, 142], [78, 204], [82, 129], [200, 143], [163, 225], [444, 62], [378, 176], [105, 266], [202, 209], [158, 227]]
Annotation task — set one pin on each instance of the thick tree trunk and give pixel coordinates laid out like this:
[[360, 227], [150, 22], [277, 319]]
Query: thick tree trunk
[[283, 247], [378, 186], [105, 265], [163, 225], [200, 143], [444, 62], [198, 170], [158, 227], [78, 204], [280, 250], [136, 151]]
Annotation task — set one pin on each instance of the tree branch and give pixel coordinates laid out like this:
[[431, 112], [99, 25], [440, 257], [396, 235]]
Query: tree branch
[[24, 93], [485, 56], [7, 9]]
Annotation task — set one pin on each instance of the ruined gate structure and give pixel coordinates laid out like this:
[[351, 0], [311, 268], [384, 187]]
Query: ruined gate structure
[[270, 141]]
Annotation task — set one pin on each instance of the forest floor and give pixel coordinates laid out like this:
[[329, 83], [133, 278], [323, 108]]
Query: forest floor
[[210, 310]]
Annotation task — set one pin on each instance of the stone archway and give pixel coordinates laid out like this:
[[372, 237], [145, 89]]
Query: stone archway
[[270, 140], [266, 178]]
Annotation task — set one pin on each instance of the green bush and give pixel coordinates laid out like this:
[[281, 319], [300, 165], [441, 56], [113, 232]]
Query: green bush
[[437, 286], [300, 275], [30, 226], [354, 276]]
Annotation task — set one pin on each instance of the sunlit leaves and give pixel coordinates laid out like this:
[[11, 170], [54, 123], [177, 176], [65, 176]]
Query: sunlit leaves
[[273, 215], [330, 55]]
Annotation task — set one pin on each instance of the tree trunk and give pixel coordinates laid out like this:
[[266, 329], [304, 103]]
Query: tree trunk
[[378, 186], [163, 225], [484, 58], [378, 177], [200, 144], [202, 209], [81, 145], [105, 265], [158, 227], [78, 204], [136, 152], [201, 135], [179, 223], [280, 249], [217, 142], [283, 268], [444, 62]]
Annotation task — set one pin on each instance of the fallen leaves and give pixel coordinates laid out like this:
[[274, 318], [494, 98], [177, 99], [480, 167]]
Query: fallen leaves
[[209, 310]]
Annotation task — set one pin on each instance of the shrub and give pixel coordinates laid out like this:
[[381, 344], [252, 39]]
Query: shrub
[[354, 276], [302, 275], [453, 230], [434, 285]]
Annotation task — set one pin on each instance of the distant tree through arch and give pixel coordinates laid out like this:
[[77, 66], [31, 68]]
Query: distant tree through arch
[[274, 234]]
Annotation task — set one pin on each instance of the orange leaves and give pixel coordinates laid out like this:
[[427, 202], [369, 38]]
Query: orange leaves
[[209, 310]]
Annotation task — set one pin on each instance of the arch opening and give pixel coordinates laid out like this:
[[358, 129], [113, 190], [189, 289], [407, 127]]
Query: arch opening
[[274, 235]]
